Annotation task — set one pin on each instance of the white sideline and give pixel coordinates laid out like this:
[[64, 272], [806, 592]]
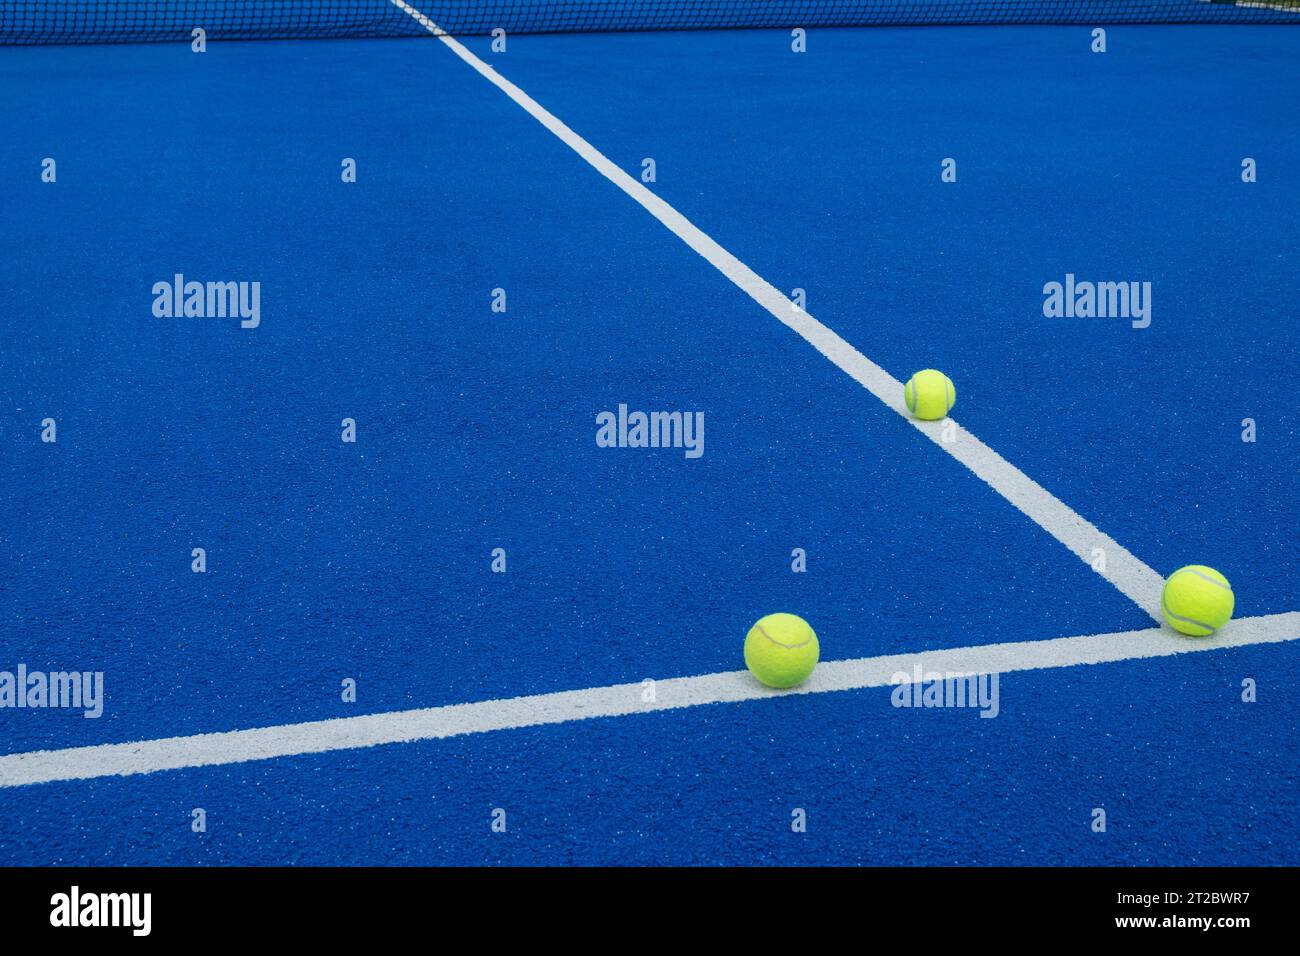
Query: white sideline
[[348, 733], [1138, 582]]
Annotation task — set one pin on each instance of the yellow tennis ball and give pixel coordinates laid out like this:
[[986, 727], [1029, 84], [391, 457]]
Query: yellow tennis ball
[[781, 650], [930, 394], [1196, 600]]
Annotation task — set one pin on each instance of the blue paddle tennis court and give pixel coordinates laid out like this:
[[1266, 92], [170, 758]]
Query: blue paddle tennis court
[[407, 409]]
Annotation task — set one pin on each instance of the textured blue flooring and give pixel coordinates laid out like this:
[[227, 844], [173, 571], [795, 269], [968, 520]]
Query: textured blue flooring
[[476, 431]]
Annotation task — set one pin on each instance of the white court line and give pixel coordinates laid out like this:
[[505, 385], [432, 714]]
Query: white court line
[[348, 733], [1138, 582]]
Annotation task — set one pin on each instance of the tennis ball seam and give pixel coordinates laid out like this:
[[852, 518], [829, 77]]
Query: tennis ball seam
[[1203, 577], [1186, 620], [762, 630]]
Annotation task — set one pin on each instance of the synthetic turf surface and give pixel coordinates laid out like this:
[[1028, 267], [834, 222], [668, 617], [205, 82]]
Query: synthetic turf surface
[[370, 561]]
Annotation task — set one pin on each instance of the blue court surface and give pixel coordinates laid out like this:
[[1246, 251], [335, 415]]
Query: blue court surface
[[352, 576]]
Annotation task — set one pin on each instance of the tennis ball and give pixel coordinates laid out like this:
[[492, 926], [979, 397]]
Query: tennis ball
[[930, 395], [1196, 600], [781, 650]]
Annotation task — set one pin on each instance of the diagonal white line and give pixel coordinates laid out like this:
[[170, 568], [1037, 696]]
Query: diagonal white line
[[1138, 582], [266, 743]]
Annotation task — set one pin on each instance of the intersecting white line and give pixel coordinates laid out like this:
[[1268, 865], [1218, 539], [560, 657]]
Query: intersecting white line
[[1124, 571]]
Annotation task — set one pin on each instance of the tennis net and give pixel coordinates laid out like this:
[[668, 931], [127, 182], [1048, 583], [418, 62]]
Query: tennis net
[[105, 21]]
